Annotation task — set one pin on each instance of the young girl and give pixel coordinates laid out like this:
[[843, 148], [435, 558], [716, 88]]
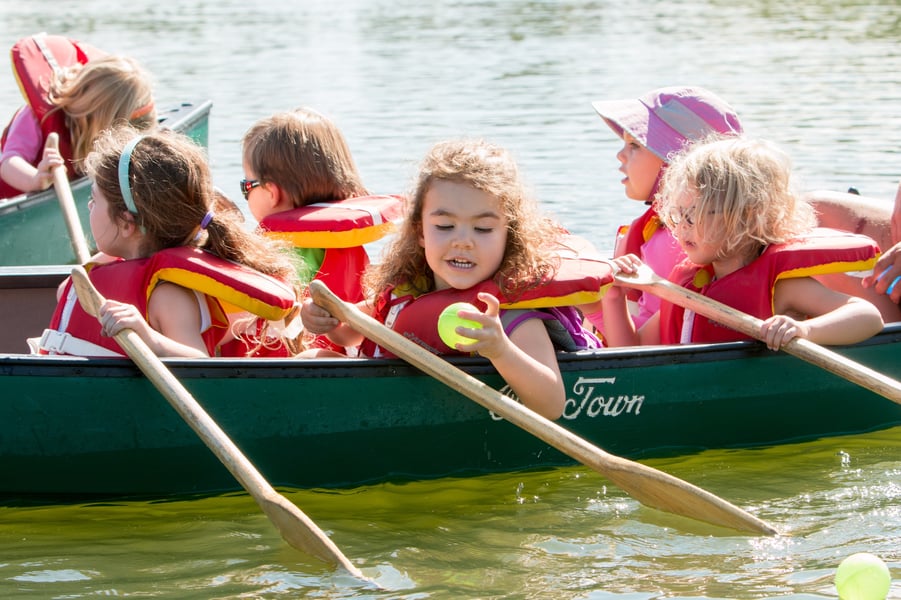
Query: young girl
[[749, 243], [470, 227], [181, 263], [302, 185], [653, 128], [77, 102]]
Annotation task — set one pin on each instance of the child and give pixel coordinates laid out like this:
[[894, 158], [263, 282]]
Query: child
[[749, 243], [302, 185], [470, 227], [180, 262], [77, 102], [652, 128]]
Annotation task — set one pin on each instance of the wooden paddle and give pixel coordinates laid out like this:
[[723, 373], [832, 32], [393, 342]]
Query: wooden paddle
[[295, 527], [647, 485], [67, 204], [646, 280]]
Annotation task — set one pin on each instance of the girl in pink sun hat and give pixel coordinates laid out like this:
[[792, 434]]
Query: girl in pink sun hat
[[653, 128]]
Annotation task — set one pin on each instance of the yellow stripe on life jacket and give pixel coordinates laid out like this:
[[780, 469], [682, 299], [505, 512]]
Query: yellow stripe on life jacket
[[237, 287], [340, 224]]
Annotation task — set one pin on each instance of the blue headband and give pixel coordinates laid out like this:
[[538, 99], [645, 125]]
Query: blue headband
[[124, 163]]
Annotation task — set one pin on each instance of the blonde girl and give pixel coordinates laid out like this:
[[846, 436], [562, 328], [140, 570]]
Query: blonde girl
[[470, 220], [105, 92], [731, 205]]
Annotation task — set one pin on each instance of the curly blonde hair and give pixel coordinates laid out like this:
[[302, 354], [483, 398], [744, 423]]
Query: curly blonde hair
[[304, 153], [106, 92], [487, 167], [746, 184]]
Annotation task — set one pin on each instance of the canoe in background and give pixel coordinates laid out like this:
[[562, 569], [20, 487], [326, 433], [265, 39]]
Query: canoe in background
[[32, 228], [75, 427]]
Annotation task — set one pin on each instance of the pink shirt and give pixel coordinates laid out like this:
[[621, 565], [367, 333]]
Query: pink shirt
[[24, 138], [661, 252]]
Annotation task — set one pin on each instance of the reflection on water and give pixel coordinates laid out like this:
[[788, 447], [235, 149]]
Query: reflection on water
[[822, 78], [555, 533]]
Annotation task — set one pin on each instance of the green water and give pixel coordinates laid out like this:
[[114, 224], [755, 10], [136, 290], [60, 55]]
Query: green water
[[562, 533]]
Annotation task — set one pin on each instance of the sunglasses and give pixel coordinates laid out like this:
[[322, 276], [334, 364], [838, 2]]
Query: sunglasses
[[247, 185]]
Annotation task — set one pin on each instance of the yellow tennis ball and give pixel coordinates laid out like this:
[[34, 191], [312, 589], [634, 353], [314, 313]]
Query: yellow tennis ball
[[862, 576], [449, 320]]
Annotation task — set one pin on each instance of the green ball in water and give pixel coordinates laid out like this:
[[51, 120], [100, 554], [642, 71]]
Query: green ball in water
[[448, 322], [862, 576]]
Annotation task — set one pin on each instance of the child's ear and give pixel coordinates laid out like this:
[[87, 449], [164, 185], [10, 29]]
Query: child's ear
[[127, 224], [276, 194]]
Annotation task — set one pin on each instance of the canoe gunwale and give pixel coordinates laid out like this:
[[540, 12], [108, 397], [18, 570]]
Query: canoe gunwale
[[338, 368]]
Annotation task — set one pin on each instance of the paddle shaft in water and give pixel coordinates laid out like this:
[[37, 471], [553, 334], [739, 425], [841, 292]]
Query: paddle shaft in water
[[647, 485], [646, 280], [295, 526], [67, 205]]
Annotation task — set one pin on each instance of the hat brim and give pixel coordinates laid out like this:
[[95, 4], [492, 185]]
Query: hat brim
[[635, 118], [629, 116]]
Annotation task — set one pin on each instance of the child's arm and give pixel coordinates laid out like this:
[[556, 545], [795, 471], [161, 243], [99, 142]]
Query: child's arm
[[526, 360], [174, 322], [835, 318], [319, 321], [21, 174]]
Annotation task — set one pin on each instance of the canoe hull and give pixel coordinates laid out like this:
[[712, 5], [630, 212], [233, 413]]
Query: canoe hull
[[79, 427], [34, 230]]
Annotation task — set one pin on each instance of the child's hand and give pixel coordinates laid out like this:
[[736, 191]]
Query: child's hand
[[886, 277], [316, 319], [49, 161], [116, 316], [490, 340], [628, 263], [779, 330]]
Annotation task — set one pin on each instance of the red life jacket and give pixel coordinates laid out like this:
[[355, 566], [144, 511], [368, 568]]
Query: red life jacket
[[340, 228], [34, 60], [751, 288], [629, 239], [225, 285], [416, 317]]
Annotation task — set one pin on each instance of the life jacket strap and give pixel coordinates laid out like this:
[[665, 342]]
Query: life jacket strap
[[59, 342]]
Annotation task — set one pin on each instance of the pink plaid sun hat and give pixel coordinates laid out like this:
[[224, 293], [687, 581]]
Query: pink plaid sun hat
[[664, 120]]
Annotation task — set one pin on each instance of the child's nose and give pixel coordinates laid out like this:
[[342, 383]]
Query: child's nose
[[463, 239]]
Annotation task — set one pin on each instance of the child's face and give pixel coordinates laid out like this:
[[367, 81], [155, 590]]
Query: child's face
[[260, 198], [640, 166], [691, 231], [464, 234]]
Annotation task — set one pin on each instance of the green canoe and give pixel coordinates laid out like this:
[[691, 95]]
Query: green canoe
[[76, 427], [32, 227]]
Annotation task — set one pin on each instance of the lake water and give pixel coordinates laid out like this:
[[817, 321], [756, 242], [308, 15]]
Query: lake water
[[820, 78]]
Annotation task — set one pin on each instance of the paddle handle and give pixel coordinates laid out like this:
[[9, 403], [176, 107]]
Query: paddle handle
[[67, 204], [749, 325], [647, 485], [295, 527]]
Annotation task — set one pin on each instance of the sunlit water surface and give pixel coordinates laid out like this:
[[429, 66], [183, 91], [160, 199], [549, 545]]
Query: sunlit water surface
[[822, 79]]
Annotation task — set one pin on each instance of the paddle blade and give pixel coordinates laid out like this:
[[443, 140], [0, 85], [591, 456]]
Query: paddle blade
[[300, 532]]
